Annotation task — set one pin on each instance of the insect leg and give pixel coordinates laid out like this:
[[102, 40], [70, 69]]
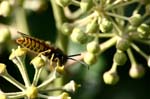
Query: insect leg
[[45, 52]]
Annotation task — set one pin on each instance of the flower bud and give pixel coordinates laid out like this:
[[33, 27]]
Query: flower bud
[[92, 26], [38, 62], [32, 92], [86, 5], [78, 36], [93, 47], [147, 7], [132, 28], [5, 8], [90, 58], [120, 58], [144, 30], [35, 5], [66, 28], [63, 3], [136, 71], [106, 25], [110, 77], [60, 70], [2, 95], [135, 20], [19, 52], [122, 44], [71, 86], [2, 69], [4, 35]]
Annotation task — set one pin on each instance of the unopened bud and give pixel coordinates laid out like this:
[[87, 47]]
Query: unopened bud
[[136, 71], [110, 77]]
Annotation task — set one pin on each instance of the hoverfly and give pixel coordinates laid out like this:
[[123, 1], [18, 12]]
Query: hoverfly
[[40, 46]]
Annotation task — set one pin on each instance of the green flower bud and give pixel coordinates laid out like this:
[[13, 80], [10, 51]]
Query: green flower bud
[[78, 36], [147, 7], [35, 5], [106, 25], [122, 44], [60, 70], [93, 47], [136, 71], [71, 86], [135, 20], [92, 26], [66, 28], [32, 92], [5, 8], [110, 77], [4, 35], [38, 62], [144, 30], [86, 5], [19, 52], [132, 28], [63, 3], [90, 58], [2, 95], [2, 69], [120, 58]]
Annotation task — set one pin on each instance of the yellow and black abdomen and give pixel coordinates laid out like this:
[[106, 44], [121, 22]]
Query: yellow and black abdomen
[[39, 46], [31, 44]]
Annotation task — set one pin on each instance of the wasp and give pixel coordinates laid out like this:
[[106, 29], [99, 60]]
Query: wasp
[[40, 46]]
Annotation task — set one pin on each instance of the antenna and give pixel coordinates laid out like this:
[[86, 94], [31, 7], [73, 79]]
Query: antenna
[[74, 55], [81, 62]]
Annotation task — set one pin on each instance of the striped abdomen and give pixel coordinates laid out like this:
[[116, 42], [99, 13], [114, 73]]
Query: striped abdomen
[[38, 46], [31, 44]]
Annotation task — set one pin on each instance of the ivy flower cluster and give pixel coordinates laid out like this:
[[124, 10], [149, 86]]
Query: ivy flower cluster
[[101, 24], [33, 89]]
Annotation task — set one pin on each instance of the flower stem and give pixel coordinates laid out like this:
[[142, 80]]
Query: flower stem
[[21, 20], [14, 81], [139, 51], [131, 56], [23, 71], [36, 76], [107, 44], [48, 81]]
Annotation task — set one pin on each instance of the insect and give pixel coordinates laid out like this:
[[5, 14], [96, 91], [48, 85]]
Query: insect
[[39, 46]]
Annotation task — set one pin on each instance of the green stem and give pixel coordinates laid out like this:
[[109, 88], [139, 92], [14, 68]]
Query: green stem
[[114, 67], [102, 35], [116, 5], [51, 89], [131, 57], [59, 17], [117, 16], [23, 71], [17, 96], [139, 51], [36, 76], [107, 44], [76, 3], [14, 81], [62, 40], [48, 81], [21, 20]]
